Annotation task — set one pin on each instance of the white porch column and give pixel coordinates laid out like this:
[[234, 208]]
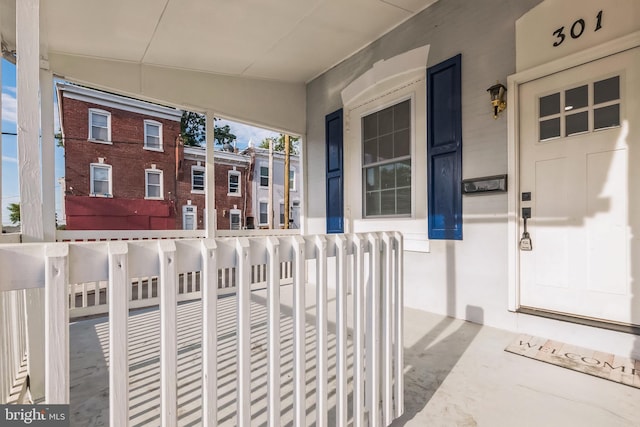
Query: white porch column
[[31, 216], [28, 80], [1, 207], [210, 174], [48, 154]]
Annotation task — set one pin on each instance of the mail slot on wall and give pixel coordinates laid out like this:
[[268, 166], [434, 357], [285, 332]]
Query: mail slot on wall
[[484, 185]]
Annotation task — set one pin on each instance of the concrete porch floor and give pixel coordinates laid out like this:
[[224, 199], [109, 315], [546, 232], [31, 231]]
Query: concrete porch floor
[[457, 374]]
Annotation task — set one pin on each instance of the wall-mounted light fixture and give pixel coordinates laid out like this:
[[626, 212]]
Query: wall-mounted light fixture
[[497, 98]]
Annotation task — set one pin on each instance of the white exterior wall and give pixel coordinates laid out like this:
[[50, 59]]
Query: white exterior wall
[[454, 275], [467, 279]]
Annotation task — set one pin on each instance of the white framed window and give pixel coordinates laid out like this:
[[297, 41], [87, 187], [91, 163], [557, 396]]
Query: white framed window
[[99, 126], [153, 184], [264, 176], [281, 213], [189, 216], [233, 180], [101, 180], [362, 99], [197, 179], [152, 135], [235, 222], [292, 180], [263, 213], [386, 161]]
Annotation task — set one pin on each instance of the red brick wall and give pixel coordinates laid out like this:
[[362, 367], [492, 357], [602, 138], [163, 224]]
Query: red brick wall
[[126, 156], [223, 202]]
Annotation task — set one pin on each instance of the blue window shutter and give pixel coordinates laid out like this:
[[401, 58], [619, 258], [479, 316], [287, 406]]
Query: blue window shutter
[[444, 149], [334, 144]]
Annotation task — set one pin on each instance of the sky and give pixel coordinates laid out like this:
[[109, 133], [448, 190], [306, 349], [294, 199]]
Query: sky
[[10, 183]]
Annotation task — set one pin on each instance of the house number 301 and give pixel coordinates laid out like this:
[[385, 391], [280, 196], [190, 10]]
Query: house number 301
[[576, 30]]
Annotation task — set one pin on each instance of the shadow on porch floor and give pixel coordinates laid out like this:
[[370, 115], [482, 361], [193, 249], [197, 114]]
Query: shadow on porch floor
[[457, 374]]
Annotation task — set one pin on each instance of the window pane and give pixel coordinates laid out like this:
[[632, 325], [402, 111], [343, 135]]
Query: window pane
[[372, 179], [99, 120], [101, 174], [385, 121], [403, 174], [576, 98], [263, 213], [153, 190], [153, 178], [153, 141], [403, 201], [606, 117], [549, 105], [402, 115], [153, 130], [370, 126], [388, 202], [370, 151], [372, 203], [281, 213], [402, 143], [385, 147], [387, 176], [549, 129], [101, 187], [99, 133], [577, 123], [606, 90]]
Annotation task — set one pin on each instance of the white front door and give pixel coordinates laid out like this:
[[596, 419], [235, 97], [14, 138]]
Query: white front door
[[580, 162]]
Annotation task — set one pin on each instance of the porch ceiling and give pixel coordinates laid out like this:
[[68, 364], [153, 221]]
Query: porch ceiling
[[284, 40]]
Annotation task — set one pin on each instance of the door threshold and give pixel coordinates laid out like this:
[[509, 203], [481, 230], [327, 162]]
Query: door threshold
[[586, 321]]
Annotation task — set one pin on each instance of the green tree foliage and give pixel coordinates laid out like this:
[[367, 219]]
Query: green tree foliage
[[14, 213], [192, 129], [278, 144]]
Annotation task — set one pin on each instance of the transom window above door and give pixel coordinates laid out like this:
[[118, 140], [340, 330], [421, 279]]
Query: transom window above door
[[586, 108]]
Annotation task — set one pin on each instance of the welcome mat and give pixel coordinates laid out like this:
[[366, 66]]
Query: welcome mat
[[604, 365]]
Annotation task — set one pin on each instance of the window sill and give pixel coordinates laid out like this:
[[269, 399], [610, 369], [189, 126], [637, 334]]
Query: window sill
[[234, 194], [98, 141], [104, 196], [413, 241], [159, 150], [197, 191], [154, 198]]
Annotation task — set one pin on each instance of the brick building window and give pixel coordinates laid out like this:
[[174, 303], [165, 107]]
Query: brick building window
[[234, 219], [281, 213], [197, 179], [234, 183], [153, 184], [264, 217], [264, 176], [99, 125], [152, 135], [100, 175]]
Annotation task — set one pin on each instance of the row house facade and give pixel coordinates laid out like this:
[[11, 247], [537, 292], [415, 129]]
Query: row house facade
[[126, 168]]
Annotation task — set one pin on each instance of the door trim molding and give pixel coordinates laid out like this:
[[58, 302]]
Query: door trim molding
[[514, 82]]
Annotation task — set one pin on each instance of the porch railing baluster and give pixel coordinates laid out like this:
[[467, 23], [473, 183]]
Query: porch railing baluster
[[56, 323], [243, 291], [322, 353], [209, 291], [168, 290], [118, 335]]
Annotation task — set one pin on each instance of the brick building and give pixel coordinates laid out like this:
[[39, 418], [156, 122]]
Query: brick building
[[126, 167], [232, 193]]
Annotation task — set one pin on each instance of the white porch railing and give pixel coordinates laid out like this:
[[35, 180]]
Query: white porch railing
[[369, 264], [13, 343]]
